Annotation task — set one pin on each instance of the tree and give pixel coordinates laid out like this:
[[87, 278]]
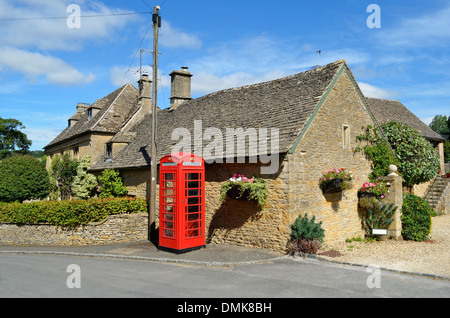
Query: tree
[[62, 172], [23, 178], [418, 160], [12, 140], [84, 183], [440, 124]]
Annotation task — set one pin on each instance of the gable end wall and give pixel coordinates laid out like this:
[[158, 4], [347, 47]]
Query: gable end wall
[[320, 149]]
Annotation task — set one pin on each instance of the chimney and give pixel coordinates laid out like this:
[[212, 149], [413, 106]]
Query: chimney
[[81, 107], [181, 87], [145, 93]]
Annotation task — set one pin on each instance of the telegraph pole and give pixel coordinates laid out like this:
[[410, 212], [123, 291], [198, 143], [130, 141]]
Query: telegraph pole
[[154, 159]]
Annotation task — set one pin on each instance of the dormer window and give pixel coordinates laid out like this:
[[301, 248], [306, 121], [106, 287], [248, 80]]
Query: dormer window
[[89, 113]]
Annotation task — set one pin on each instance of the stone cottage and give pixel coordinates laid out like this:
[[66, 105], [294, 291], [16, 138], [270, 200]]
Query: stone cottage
[[289, 131]]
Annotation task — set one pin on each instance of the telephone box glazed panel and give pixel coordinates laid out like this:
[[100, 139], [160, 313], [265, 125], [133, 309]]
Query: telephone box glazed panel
[[181, 203]]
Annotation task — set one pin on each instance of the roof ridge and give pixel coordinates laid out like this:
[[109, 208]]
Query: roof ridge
[[261, 84]]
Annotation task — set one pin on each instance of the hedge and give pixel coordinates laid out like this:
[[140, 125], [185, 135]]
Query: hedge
[[69, 213]]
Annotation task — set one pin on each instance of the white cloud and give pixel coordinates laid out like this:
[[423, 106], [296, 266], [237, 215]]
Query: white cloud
[[54, 34], [261, 58], [23, 40], [33, 65], [174, 38], [423, 31], [374, 91]]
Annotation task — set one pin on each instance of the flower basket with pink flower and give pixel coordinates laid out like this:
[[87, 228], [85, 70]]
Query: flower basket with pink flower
[[336, 180], [241, 188]]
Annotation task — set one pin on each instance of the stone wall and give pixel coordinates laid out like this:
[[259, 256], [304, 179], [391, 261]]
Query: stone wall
[[115, 229], [322, 148], [244, 223]]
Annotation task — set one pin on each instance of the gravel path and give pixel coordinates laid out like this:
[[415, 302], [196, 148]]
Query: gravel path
[[431, 257]]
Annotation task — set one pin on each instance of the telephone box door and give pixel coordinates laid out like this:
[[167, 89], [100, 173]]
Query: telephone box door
[[168, 230], [193, 204]]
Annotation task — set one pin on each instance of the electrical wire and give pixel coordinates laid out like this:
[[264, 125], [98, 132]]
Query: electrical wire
[[82, 16], [135, 54]]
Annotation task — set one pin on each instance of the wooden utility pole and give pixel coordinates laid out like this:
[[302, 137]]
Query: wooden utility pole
[[154, 159]]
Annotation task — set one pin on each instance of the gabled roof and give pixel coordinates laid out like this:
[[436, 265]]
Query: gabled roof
[[286, 104], [386, 110], [114, 110]]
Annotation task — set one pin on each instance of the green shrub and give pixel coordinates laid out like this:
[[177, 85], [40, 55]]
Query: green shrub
[[84, 183], [111, 184], [305, 228], [69, 213], [306, 235], [416, 218], [23, 178]]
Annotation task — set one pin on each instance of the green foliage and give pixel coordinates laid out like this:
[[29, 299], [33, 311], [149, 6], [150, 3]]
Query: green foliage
[[414, 156], [306, 235], [111, 184], [447, 151], [69, 213], [23, 178], [418, 161], [84, 183], [62, 173], [308, 229], [416, 218], [440, 124], [255, 188], [378, 151], [380, 216], [12, 140]]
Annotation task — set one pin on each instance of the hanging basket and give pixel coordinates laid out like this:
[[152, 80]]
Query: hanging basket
[[235, 193], [333, 186]]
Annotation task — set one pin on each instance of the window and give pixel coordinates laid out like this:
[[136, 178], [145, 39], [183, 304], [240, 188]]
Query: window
[[108, 152], [76, 151], [89, 113], [346, 136]]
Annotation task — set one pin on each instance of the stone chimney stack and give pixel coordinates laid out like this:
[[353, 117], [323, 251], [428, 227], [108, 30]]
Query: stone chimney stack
[[145, 93], [181, 87]]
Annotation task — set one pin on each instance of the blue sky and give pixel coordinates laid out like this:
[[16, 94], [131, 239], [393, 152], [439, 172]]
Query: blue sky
[[46, 68]]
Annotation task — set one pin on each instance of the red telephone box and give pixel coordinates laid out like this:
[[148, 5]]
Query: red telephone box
[[181, 203]]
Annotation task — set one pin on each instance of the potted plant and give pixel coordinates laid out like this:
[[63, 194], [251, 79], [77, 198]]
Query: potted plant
[[335, 180], [241, 188], [373, 189]]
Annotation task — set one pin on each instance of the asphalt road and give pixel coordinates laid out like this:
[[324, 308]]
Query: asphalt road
[[45, 276]]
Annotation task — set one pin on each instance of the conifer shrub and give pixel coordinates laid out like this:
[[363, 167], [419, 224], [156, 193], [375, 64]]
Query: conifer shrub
[[306, 235], [416, 218], [111, 184]]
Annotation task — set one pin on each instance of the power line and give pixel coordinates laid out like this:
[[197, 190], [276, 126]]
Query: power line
[[82, 16], [137, 51]]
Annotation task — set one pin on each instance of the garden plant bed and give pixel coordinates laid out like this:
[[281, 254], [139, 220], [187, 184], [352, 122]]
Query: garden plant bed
[[428, 257]]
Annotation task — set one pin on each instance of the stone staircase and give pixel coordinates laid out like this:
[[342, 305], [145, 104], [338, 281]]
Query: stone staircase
[[438, 196]]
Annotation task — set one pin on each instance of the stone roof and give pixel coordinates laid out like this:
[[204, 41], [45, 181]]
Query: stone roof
[[386, 110], [114, 110], [285, 104]]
